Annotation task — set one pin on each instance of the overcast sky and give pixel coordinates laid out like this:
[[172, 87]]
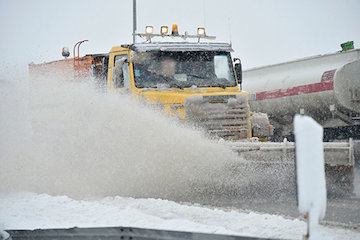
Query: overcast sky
[[262, 31]]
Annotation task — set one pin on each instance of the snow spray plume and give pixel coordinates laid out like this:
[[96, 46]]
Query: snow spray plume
[[65, 138], [357, 181]]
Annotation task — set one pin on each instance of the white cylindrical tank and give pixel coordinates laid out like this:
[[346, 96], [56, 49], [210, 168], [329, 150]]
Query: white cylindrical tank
[[326, 87]]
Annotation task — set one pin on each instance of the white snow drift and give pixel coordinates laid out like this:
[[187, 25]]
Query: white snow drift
[[31, 211]]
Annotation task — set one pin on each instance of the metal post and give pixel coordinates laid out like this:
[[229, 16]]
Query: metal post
[[134, 19], [307, 236]]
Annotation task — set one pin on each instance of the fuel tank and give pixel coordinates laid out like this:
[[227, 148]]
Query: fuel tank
[[325, 87]]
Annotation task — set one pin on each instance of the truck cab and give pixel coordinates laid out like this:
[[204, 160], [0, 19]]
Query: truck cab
[[194, 81]]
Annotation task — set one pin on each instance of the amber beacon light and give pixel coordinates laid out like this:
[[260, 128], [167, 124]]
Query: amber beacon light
[[175, 30]]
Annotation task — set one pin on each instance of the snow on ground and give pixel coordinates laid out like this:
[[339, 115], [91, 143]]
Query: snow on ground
[[31, 211]]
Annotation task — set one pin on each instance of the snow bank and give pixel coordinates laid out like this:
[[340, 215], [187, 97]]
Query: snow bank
[[30, 211]]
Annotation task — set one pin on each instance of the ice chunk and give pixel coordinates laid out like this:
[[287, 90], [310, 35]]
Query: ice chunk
[[310, 168]]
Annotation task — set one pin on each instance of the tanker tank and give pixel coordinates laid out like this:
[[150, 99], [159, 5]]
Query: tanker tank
[[325, 87]]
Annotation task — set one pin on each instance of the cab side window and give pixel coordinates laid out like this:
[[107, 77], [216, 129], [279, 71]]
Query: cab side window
[[126, 76], [117, 72]]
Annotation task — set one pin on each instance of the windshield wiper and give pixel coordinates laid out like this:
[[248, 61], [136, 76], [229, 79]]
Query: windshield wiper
[[194, 75], [176, 85]]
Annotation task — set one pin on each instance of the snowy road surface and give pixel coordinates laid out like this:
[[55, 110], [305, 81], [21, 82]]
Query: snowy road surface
[[31, 211], [339, 212]]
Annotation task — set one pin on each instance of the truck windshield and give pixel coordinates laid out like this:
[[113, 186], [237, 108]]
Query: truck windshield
[[183, 69]]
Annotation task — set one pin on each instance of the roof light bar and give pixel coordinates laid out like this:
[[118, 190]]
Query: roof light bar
[[175, 33]]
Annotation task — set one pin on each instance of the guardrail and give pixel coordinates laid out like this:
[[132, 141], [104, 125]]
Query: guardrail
[[335, 153], [112, 233]]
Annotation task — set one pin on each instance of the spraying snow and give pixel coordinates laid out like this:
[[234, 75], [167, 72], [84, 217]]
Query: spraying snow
[[357, 182], [72, 140]]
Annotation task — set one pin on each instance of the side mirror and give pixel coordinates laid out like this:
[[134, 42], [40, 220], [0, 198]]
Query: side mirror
[[238, 70]]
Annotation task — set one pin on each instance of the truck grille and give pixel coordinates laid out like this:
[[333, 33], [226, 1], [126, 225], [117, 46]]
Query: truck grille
[[221, 116]]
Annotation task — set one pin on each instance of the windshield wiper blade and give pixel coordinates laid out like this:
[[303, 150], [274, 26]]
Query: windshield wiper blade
[[194, 75], [175, 85]]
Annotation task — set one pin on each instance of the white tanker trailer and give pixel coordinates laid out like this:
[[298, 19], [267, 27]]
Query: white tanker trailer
[[325, 87]]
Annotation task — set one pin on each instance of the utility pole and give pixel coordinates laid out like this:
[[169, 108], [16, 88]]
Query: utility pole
[[134, 20]]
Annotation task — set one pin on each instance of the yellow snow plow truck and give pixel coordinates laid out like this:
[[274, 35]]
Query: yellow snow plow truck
[[195, 81]]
